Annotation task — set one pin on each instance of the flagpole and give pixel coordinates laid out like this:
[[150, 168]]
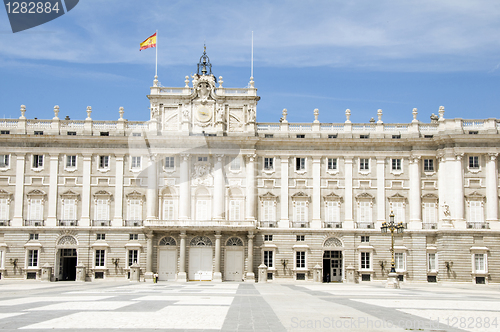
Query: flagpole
[[156, 67]]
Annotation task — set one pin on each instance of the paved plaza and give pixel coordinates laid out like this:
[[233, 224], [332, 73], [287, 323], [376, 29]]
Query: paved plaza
[[194, 306]]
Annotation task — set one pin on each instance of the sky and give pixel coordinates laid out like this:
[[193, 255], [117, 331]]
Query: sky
[[361, 55]]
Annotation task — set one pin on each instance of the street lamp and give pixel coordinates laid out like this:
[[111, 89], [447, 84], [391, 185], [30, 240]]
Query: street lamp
[[392, 226]]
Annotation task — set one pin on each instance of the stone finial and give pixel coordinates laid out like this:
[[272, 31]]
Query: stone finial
[[348, 116], [89, 111], [283, 115], [251, 83], [414, 112], [23, 110], [220, 81], [155, 81], [121, 111], [441, 113], [379, 115], [186, 81], [56, 112], [316, 113]]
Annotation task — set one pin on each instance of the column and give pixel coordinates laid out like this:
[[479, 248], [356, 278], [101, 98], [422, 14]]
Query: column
[[52, 198], [149, 257], [348, 221], [184, 190], [284, 221], [118, 219], [415, 204], [250, 277], [458, 178], [442, 175], [217, 274], [152, 192], [219, 187], [181, 275], [381, 217], [250, 187], [491, 188], [87, 169], [17, 221], [316, 197]]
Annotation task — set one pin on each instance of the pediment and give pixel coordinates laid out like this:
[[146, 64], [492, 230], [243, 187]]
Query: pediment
[[430, 197], [475, 195], [36, 192], [4, 193], [102, 193], [396, 196], [70, 194], [300, 194], [268, 196], [364, 196], [332, 197], [134, 194]]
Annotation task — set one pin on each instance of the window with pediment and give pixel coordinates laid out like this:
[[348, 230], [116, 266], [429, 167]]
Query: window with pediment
[[300, 203], [102, 201], [475, 207], [36, 202], [364, 208], [268, 207], [332, 207], [69, 201], [168, 199], [429, 208], [5, 200], [397, 205], [135, 202]]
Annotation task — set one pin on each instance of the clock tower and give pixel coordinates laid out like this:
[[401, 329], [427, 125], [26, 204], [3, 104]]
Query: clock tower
[[203, 106]]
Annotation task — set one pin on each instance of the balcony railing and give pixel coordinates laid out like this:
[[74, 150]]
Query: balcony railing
[[300, 224], [332, 224], [132, 223], [477, 225], [34, 223], [66, 223], [198, 223], [270, 224], [429, 225], [101, 223], [4, 222], [365, 225]]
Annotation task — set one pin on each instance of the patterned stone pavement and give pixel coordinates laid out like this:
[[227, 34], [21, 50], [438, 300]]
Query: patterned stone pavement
[[194, 306]]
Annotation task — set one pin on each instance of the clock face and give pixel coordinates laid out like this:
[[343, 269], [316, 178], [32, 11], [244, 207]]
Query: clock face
[[203, 114]]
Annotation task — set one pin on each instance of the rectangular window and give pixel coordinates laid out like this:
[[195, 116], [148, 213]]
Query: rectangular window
[[474, 162], [396, 164], [479, 263], [99, 257], [364, 164], [203, 159], [4, 160], [70, 161], [235, 209], [476, 211], [431, 261], [268, 164], [332, 164], [169, 162], [332, 211], [136, 162], [300, 211], [399, 261], [268, 135], [268, 258], [103, 162], [71, 133], [235, 164], [100, 236], [102, 210], [202, 209], [399, 211], [365, 212], [32, 258], [429, 214], [300, 259], [268, 211], [300, 164], [168, 209], [268, 237], [37, 161], [133, 236], [133, 256], [34, 236], [365, 261], [38, 132], [104, 133], [428, 165], [135, 209], [365, 238], [4, 132], [4, 209], [36, 209], [69, 209], [301, 238]]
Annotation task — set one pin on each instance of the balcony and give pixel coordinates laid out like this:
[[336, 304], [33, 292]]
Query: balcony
[[269, 224], [477, 225], [66, 223], [300, 224], [429, 225], [365, 225], [201, 224], [35, 223], [101, 223], [4, 223], [132, 223], [332, 224]]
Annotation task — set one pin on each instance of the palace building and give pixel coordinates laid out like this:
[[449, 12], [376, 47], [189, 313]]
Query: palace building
[[202, 191]]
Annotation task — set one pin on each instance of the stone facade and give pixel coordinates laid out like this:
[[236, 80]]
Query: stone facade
[[202, 191]]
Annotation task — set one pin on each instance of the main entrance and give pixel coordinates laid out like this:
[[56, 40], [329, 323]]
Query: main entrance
[[332, 266], [67, 264], [200, 259]]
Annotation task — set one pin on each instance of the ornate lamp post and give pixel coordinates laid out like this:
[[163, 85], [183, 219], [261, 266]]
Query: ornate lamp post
[[392, 226]]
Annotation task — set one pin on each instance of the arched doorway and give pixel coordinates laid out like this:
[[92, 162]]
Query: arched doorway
[[200, 258], [233, 263], [167, 258], [67, 258], [333, 269]]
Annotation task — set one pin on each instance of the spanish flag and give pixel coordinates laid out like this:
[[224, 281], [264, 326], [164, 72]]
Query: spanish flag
[[150, 42]]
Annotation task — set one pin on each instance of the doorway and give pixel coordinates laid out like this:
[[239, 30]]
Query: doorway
[[167, 260], [332, 266], [234, 265], [67, 264], [200, 263]]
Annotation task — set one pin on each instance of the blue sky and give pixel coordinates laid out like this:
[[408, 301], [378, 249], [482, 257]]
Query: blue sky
[[331, 55]]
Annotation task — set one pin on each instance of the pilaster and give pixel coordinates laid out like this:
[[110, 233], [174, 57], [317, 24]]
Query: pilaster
[[52, 199], [415, 193], [380, 191], [118, 219], [184, 189], [87, 169], [491, 188], [284, 221], [316, 197], [181, 275], [348, 220], [218, 213], [250, 277], [217, 274], [17, 221], [152, 191], [250, 187], [148, 276]]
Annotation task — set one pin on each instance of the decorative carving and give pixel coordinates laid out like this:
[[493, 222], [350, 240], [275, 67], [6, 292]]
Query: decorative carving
[[348, 116], [234, 241], [167, 241], [251, 115], [268, 197], [333, 242], [202, 174], [332, 197], [67, 240], [446, 210], [200, 241], [185, 113], [219, 115]]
